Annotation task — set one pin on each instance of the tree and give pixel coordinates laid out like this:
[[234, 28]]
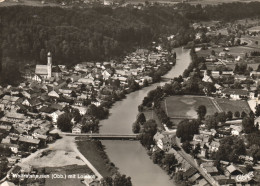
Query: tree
[[150, 127], [237, 114], [229, 115], [64, 122], [211, 122], [149, 130], [136, 127], [230, 148], [243, 114], [248, 125], [122, 180], [157, 156], [257, 110], [186, 146], [117, 180], [201, 112], [141, 118], [169, 160], [186, 129], [145, 84]]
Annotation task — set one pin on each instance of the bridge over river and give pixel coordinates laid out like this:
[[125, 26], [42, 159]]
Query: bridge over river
[[106, 136]]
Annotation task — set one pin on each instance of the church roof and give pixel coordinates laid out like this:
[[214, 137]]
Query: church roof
[[41, 70]]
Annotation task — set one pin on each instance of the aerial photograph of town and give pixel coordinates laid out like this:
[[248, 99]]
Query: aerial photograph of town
[[129, 92]]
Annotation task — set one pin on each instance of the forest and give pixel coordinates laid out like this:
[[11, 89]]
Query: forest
[[222, 12], [75, 35]]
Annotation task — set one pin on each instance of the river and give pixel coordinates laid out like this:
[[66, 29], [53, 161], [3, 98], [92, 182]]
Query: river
[[129, 156]]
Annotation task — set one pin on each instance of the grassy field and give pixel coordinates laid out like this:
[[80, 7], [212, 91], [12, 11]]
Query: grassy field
[[96, 155], [235, 51], [149, 114], [233, 105], [27, 3], [185, 106]]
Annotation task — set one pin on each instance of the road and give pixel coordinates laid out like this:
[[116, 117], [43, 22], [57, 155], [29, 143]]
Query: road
[[191, 161], [88, 163]]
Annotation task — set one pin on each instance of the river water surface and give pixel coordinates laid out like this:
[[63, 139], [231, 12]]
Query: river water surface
[[129, 156]]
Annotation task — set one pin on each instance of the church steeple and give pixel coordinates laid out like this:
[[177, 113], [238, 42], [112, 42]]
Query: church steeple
[[49, 64]]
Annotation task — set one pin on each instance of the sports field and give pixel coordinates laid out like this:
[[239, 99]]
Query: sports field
[[233, 105], [178, 107], [181, 107]]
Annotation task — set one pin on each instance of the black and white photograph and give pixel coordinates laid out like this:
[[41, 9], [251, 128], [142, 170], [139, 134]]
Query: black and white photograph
[[129, 92]]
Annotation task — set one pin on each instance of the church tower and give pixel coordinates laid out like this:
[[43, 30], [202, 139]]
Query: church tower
[[49, 65]]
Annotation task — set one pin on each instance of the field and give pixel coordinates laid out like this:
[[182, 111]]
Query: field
[[149, 114], [58, 154], [97, 157], [185, 106], [235, 51], [25, 3], [181, 107], [233, 105]]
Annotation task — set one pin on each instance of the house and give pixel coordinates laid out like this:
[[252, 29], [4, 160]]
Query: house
[[240, 77], [82, 110], [227, 73], [53, 94], [14, 117], [235, 94], [31, 102], [13, 147], [65, 92], [78, 103], [163, 140], [86, 80], [209, 168], [106, 75], [55, 115], [190, 172], [255, 74], [10, 99], [207, 78], [29, 140], [76, 130], [215, 74], [202, 182], [37, 78], [232, 171], [194, 178], [236, 130], [214, 146]]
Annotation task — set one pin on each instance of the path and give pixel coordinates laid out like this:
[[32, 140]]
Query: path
[[88, 163], [216, 105]]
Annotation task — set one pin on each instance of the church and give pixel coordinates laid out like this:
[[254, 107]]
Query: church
[[45, 71]]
